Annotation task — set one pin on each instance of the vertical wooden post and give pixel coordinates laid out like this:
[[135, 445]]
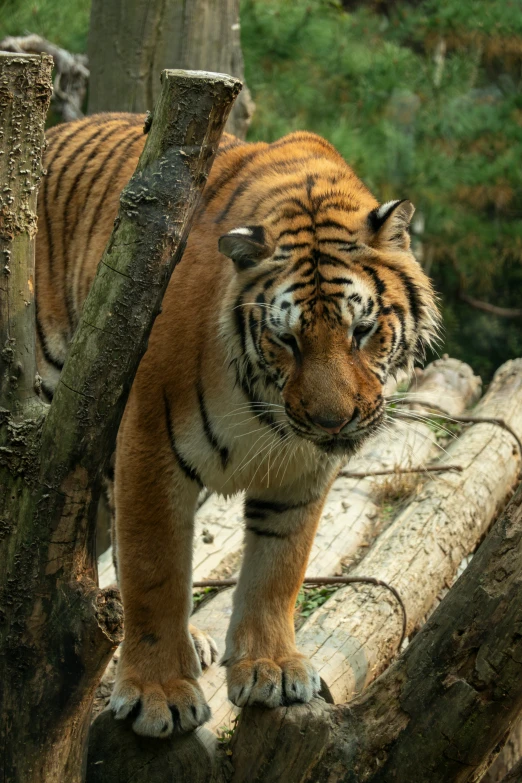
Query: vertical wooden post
[[25, 92]]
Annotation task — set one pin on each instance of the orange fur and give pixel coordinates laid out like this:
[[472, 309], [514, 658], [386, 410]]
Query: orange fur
[[263, 372]]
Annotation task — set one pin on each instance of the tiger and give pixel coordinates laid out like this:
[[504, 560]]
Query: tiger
[[296, 298]]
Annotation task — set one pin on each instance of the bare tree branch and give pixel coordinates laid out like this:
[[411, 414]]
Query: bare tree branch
[[502, 312]]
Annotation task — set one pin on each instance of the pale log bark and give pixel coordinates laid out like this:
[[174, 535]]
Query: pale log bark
[[57, 629], [355, 634], [131, 41]]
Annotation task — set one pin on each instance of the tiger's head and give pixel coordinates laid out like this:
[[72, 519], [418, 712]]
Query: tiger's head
[[328, 299]]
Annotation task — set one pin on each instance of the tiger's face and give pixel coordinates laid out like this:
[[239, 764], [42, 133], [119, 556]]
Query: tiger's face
[[329, 304]]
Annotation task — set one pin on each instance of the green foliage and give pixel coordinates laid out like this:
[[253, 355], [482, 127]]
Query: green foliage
[[64, 22], [424, 99], [311, 598]]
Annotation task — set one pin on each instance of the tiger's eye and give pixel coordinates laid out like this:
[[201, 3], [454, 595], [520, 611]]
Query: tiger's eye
[[289, 339], [361, 331]]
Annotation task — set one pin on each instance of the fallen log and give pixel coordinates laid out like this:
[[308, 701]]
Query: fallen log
[[355, 634], [436, 715]]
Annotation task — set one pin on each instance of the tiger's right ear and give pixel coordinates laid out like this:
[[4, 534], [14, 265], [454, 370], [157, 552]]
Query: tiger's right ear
[[245, 246]]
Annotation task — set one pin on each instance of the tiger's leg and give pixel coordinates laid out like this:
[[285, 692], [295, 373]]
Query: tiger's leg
[[263, 663], [155, 504]]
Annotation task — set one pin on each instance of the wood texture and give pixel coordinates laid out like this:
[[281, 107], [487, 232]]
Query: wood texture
[[25, 92], [131, 41]]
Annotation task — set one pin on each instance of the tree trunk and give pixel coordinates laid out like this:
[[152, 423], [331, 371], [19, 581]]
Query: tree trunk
[[25, 92], [436, 715], [58, 629], [130, 41]]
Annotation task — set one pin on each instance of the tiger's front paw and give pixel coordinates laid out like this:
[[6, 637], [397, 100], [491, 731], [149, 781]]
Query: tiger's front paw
[[157, 709], [272, 683]]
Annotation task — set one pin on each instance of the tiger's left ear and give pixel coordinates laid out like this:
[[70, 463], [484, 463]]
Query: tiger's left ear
[[245, 246], [389, 225]]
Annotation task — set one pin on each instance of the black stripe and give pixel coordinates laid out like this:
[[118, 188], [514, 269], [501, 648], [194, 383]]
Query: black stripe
[[334, 203], [379, 285], [291, 232], [187, 469], [329, 223], [252, 179], [338, 280], [68, 201], [293, 245], [65, 166], [298, 138], [96, 176], [43, 344], [296, 286], [45, 197], [209, 194], [238, 191], [286, 202], [265, 533], [345, 244], [256, 508], [412, 293], [223, 452], [126, 147], [246, 386]]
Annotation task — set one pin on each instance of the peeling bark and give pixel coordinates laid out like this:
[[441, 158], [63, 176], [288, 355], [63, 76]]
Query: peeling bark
[[57, 629]]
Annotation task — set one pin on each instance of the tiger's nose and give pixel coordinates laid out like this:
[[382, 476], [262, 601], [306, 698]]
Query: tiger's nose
[[331, 426]]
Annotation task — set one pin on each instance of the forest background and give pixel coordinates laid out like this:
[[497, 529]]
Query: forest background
[[423, 99]]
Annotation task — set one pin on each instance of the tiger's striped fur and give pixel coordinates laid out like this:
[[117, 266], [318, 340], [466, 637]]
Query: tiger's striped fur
[[262, 373]]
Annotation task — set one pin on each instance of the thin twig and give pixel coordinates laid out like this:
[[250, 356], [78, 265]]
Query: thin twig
[[472, 420], [399, 471], [486, 307], [325, 580]]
